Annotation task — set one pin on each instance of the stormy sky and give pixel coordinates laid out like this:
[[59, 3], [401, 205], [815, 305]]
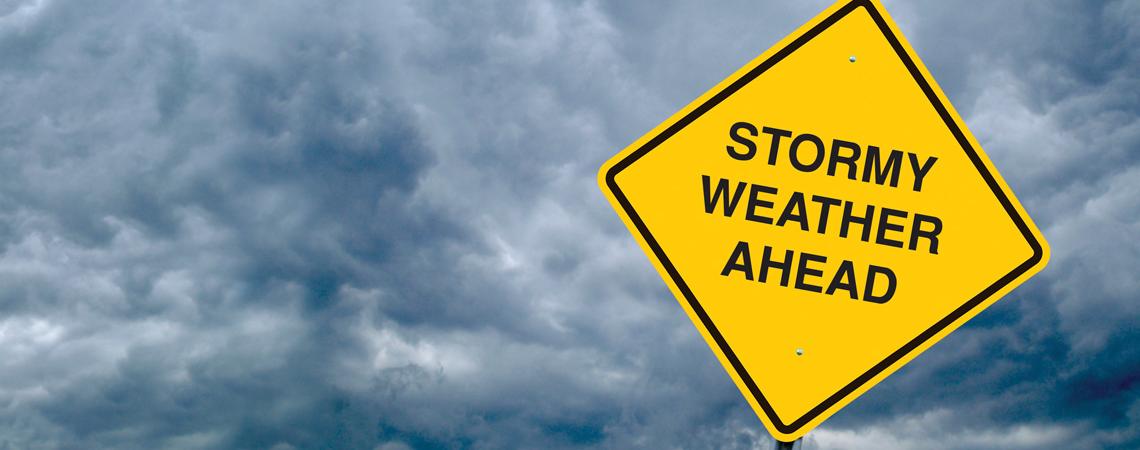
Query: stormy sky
[[306, 224]]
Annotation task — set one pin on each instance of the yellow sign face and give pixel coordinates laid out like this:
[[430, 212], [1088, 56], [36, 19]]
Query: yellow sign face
[[823, 216]]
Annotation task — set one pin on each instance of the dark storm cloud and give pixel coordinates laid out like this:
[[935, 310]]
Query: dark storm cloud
[[353, 225]]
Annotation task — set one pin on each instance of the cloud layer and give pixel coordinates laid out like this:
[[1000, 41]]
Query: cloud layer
[[306, 224]]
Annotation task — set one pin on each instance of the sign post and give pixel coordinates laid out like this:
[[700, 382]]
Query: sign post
[[823, 216]]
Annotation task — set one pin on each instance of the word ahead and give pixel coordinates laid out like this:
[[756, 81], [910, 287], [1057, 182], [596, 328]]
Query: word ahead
[[842, 280]]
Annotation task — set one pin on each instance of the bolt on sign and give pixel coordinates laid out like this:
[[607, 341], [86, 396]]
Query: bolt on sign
[[823, 216]]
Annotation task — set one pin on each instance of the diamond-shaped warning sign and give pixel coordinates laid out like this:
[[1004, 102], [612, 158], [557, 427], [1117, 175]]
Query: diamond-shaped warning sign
[[823, 216]]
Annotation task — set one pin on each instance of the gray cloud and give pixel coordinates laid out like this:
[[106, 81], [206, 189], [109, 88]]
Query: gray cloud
[[354, 225]]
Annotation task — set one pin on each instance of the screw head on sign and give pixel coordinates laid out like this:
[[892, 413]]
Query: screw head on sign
[[799, 352], [852, 58]]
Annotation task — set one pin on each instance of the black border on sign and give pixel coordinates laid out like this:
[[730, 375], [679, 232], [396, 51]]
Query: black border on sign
[[789, 428]]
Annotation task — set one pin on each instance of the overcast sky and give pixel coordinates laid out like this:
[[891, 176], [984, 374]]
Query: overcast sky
[[354, 224]]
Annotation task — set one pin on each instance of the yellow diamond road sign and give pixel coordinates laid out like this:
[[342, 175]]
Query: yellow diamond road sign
[[823, 216]]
